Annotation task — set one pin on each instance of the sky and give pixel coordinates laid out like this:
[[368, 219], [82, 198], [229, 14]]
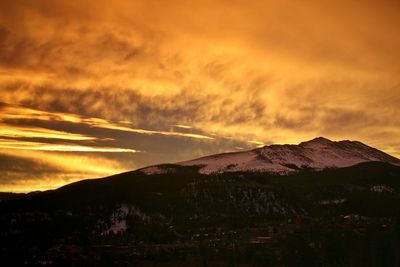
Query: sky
[[93, 88]]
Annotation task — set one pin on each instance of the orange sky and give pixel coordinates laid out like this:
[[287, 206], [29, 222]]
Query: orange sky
[[91, 88]]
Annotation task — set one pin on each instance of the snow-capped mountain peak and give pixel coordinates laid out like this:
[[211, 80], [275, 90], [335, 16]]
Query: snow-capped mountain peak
[[319, 153], [317, 142]]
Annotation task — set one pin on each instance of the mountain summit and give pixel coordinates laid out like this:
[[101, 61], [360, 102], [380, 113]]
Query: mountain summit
[[319, 153]]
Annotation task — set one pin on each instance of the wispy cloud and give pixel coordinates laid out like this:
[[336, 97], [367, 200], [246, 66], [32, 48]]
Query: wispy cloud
[[31, 132], [15, 113], [29, 170], [107, 125], [183, 126], [25, 145]]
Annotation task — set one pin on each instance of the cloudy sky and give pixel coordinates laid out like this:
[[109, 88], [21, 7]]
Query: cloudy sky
[[93, 88]]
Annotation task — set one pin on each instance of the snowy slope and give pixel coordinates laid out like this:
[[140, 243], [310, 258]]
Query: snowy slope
[[319, 153]]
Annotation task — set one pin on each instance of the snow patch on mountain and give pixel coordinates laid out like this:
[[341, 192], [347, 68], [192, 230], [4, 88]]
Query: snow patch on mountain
[[117, 227], [123, 213], [235, 162], [332, 201], [319, 153], [160, 169], [382, 188], [153, 170], [118, 220]]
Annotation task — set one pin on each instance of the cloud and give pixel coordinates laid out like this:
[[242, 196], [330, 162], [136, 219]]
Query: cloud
[[143, 72], [14, 132], [24, 145], [40, 170], [12, 114]]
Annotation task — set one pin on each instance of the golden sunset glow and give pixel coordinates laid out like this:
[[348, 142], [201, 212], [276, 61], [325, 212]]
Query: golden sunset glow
[[51, 147], [135, 83], [8, 131], [54, 169]]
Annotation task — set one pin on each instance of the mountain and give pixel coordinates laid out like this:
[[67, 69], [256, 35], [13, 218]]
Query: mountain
[[319, 153], [319, 203]]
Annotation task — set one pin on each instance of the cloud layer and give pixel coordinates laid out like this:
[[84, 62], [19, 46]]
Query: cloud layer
[[125, 76]]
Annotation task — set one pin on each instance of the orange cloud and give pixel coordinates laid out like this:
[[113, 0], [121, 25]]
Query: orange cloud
[[24, 145], [242, 70], [54, 169], [12, 113], [13, 131]]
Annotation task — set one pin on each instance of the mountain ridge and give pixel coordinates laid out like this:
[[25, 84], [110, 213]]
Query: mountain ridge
[[318, 154], [177, 216]]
